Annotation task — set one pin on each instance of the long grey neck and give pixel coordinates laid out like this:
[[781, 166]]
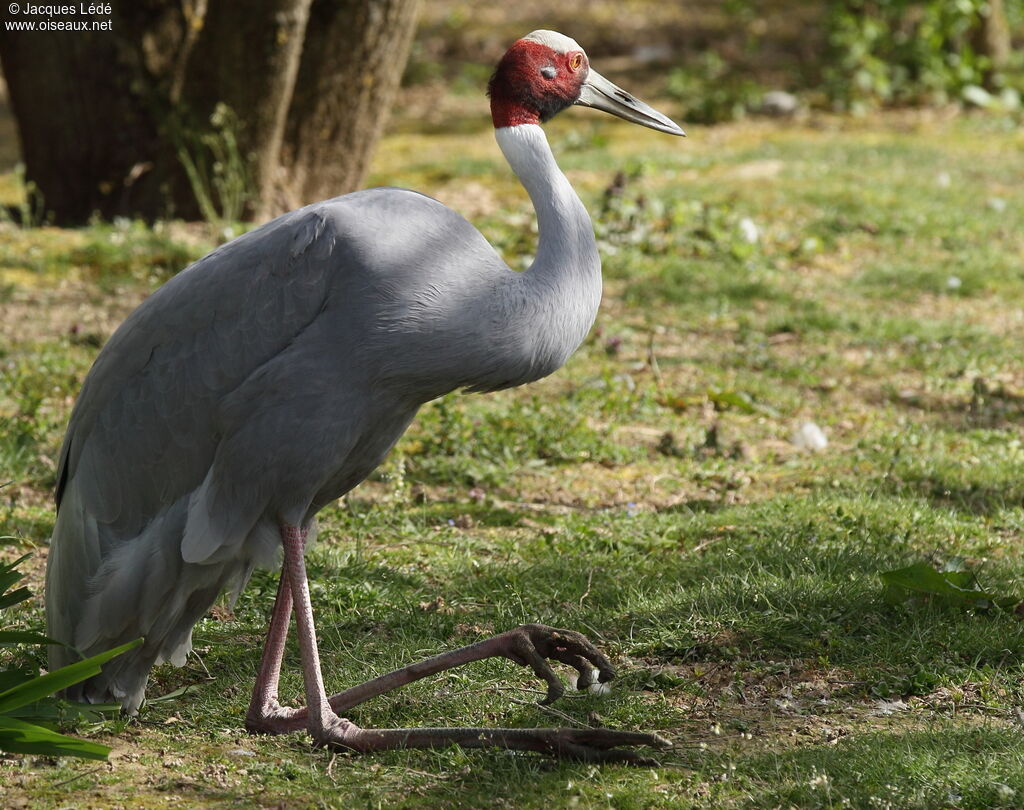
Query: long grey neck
[[562, 288]]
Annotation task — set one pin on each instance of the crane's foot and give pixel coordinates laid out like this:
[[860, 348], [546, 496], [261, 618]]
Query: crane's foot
[[582, 745], [531, 645]]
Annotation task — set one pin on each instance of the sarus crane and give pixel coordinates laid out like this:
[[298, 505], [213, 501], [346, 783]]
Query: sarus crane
[[273, 375]]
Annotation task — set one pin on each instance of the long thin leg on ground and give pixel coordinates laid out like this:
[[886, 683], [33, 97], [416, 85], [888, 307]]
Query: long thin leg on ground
[[530, 645], [264, 703]]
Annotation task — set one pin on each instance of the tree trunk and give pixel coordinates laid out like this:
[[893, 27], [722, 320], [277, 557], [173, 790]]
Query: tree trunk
[[347, 81], [87, 138], [992, 38], [253, 74], [132, 121]]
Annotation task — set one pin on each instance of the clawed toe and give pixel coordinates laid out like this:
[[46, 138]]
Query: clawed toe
[[610, 738], [338, 732], [605, 745], [533, 645]]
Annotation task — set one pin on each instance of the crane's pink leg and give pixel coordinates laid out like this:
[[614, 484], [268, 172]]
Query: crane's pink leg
[[323, 723], [529, 645], [264, 702]]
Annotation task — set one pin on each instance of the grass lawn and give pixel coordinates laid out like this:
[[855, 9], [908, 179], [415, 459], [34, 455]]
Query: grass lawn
[[867, 277]]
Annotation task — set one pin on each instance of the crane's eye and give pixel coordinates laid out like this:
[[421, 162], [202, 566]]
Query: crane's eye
[[548, 72], [576, 61]]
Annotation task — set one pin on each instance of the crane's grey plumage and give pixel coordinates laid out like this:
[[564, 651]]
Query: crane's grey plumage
[[274, 374]]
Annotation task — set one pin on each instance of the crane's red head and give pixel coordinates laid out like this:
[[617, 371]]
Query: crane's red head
[[537, 78]]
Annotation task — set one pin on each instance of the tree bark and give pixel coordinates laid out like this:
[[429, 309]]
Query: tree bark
[[992, 38], [87, 138], [253, 74], [109, 120], [346, 84]]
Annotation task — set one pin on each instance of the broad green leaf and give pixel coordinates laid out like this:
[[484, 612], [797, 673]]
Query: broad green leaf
[[9, 638], [19, 737], [957, 587], [50, 712], [46, 712], [8, 578], [922, 578], [55, 681], [12, 598], [10, 678], [8, 568]]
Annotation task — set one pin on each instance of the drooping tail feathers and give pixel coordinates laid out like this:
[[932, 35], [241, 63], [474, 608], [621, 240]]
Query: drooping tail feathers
[[103, 590]]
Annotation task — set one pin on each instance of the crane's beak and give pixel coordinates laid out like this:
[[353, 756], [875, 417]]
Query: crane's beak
[[601, 94]]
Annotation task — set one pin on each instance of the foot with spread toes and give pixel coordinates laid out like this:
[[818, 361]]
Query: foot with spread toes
[[531, 645]]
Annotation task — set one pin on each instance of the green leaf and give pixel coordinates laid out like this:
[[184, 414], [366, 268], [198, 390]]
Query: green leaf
[[956, 587], [9, 638], [8, 578], [55, 681], [12, 598], [52, 712], [19, 737], [9, 678], [922, 578], [8, 568], [47, 712], [187, 689], [740, 400]]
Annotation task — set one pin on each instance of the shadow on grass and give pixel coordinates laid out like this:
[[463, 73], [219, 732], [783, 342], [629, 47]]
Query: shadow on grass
[[985, 408], [986, 486], [951, 765], [788, 584], [693, 506], [947, 488]]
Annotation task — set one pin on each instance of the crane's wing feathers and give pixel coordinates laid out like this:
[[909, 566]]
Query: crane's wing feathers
[[154, 390], [144, 435]]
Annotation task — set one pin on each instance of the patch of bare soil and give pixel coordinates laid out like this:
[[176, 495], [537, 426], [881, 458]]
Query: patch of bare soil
[[70, 308]]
